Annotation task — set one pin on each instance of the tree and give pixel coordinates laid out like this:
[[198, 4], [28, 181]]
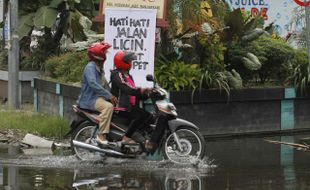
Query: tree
[[56, 17], [53, 18]]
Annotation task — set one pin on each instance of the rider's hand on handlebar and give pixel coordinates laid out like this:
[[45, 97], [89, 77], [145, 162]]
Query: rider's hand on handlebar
[[113, 100], [146, 91]]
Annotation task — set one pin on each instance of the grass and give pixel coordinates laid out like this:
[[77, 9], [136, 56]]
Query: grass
[[26, 121]]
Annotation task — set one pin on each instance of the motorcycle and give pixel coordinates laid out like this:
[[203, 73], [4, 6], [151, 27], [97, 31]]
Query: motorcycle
[[181, 142]]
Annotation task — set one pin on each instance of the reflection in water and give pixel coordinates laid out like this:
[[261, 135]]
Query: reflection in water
[[244, 163], [182, 182], [38, 180], [131, 180], [40, 173], [12, 171], [287, 161]]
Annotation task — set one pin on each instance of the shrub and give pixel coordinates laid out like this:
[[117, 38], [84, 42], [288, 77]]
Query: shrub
[[176, 75], [67, 67], [300, 75], [275, 56]]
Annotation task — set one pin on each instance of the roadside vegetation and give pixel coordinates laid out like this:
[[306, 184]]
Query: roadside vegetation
[[216, 49], [26, 121]]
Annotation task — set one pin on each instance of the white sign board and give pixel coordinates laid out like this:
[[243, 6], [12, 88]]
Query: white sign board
[[132, 30], [279, 11], [1, 10], [139, 4]]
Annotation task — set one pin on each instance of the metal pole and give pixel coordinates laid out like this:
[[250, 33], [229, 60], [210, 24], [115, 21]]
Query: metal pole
[[3, 28], [13, 63]]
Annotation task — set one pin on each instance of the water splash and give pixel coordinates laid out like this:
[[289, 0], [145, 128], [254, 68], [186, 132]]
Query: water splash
[[71, 162]]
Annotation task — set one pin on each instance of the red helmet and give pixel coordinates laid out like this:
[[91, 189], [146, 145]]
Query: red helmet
[[122, 60], [97, 51]]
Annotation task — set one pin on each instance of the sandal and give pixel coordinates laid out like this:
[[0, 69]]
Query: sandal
[[100, 141], [148, 145]]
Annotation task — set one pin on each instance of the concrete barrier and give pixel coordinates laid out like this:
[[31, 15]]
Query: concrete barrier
[[25, 78], [245, 111]]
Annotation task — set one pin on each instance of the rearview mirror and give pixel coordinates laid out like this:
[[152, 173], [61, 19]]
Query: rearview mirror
[[149, 78]]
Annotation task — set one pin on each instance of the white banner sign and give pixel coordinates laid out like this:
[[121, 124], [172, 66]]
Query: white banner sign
[[1, 10], [132, 30]]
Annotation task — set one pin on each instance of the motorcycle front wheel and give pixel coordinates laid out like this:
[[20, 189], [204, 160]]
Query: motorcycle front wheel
[[185, 146], [84, 133]]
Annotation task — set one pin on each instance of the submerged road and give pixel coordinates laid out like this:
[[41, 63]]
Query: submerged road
[[238, 163]]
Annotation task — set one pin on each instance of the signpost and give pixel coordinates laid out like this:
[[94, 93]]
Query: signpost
[[159, 5], [138, 4]]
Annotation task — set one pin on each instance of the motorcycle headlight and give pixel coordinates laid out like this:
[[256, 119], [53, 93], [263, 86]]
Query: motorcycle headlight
[[171, 106]]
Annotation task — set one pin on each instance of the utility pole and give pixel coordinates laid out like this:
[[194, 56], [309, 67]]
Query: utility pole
[[2, 19], [13, 52]]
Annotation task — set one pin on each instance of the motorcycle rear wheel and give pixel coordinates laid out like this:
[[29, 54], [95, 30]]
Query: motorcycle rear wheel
[[192, 143], [84, 133]]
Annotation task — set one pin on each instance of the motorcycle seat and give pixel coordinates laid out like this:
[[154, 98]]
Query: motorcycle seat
[[88, 110]]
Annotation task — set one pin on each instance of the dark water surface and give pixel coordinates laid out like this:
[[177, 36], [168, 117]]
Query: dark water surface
[[231, 164]]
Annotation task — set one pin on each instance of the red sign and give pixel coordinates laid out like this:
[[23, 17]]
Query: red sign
[[302, 2]]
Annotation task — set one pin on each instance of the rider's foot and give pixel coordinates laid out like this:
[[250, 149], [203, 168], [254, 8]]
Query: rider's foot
[[127, 140], [149, 146], [101, 139]]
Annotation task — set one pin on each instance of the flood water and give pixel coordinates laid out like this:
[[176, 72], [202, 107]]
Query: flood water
[[231, 164]]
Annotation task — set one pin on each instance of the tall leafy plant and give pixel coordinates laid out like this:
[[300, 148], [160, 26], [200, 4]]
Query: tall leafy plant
[[176, 75], [215, 80], [300, 76]]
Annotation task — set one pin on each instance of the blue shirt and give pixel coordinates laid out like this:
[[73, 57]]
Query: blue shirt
[[91, 87]]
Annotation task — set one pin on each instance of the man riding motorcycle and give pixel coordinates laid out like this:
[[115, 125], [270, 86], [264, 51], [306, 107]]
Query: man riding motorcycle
[[93, 96]]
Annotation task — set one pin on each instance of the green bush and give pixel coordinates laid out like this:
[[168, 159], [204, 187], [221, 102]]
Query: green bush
[[275, 56], [67, 67], [176, 75]]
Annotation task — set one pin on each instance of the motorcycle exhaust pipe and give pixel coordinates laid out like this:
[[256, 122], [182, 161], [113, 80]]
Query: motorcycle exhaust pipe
[[95, 148]]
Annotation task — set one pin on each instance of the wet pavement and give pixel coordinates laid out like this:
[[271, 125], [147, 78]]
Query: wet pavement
[[231, 164]]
